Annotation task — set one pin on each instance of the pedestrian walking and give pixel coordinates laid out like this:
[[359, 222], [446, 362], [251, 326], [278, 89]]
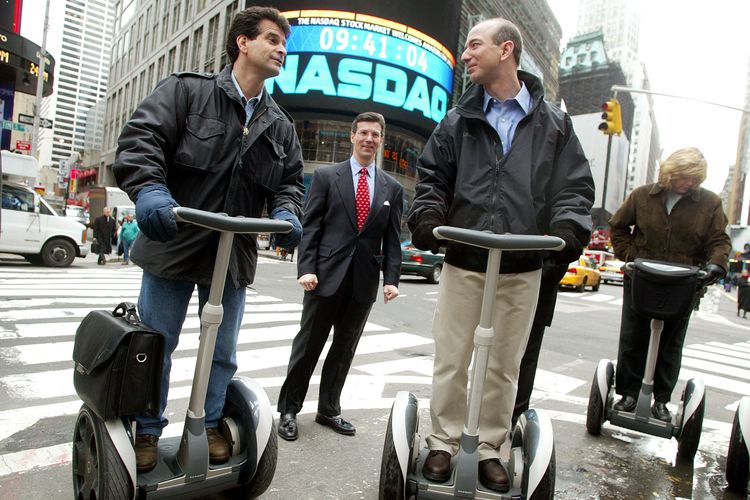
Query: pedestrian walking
[[105, 228], [128, 232]]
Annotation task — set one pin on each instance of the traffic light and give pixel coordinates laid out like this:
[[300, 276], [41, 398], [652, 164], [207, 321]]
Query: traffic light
[[612, 117]]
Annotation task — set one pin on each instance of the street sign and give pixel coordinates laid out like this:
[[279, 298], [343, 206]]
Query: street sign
[[29, 120], [10, 125], [23, 146]]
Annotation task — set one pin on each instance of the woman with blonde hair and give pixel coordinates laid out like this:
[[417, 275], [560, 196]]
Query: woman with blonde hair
[[673, 220]]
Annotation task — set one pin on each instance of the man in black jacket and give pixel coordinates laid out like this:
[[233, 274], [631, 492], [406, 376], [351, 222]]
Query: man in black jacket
[[104, 230], [352, 226], [217, 143], [504, 160]]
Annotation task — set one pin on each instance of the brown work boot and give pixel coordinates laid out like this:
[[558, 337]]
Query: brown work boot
[[492, 475], [218, 448], [437, 466], [146, 452]]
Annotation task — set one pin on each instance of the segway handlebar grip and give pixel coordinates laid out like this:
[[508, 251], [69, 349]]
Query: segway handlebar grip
[[224, 223], [485, 239]]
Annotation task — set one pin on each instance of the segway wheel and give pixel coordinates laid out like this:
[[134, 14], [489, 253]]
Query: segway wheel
[[691, 432], [391, 478], [98, 471], [545, 490], [596, 412], [263, 474], [738, 461]]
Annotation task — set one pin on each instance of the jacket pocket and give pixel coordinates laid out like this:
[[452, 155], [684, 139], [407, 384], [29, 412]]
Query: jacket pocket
[[201, 140], [266, 162]]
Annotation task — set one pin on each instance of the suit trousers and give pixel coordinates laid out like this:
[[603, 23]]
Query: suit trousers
[[456, 318], [347, 317], [635, 331]]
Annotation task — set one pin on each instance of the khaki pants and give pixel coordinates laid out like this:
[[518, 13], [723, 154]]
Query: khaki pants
[[456, 318]]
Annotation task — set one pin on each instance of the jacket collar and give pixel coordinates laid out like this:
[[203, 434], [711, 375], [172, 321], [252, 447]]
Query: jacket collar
[[224, 81], [470, 103], [657, 190]]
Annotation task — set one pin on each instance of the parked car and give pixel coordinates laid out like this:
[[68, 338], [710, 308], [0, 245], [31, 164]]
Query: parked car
[[78, 214], [612, 271], [582, 273], [418, 262]]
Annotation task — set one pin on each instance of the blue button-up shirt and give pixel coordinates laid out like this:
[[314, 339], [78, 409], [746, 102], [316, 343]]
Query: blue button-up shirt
[[249, 104], [505, 115], [356, 167]]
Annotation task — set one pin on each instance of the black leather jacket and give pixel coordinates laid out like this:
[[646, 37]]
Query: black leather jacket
[[189, 135], [465, 180]]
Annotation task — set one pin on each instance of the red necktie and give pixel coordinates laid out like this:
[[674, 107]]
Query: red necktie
[[362, 199]]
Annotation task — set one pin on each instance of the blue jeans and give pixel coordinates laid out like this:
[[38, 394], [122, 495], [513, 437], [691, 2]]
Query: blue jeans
[[126, 249], [162, 305]]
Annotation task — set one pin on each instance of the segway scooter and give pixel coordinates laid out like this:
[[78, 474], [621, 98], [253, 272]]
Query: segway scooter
[[738, 456], [531, 468], [104, 464], [661, 291]]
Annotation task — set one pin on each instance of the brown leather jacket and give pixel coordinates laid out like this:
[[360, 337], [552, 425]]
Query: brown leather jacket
[[693, 233]]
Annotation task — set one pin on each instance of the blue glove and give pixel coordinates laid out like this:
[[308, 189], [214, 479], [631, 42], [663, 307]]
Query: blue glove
[[153, 210], [291, 239]]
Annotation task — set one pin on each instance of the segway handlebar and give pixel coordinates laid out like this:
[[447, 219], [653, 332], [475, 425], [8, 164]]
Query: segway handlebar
[[490, 241], [225, 223]]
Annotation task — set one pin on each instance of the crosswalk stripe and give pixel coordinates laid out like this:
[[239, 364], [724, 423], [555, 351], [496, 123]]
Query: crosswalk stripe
[[58, 383]]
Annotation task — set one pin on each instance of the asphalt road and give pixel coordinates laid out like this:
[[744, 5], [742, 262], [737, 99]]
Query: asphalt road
[[41, 307]]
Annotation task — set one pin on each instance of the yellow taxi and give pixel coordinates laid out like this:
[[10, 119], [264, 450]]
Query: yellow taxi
[[582, 273]]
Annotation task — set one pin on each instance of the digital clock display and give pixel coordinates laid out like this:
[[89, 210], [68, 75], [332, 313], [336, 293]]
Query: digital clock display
[[346, 62]]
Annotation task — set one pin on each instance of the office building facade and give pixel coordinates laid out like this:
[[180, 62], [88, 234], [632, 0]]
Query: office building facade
[[83, 72]]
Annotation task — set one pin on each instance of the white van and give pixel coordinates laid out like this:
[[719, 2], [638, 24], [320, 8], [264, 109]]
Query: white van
[[30, 227]]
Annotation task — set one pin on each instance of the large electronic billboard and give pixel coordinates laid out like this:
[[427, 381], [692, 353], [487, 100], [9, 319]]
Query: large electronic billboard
[[393, 57]]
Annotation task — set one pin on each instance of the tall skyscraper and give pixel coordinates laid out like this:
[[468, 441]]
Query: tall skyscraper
[[619, 21], [84, 68]]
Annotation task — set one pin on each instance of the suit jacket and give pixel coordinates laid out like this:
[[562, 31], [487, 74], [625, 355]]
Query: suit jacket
[[330, 240]]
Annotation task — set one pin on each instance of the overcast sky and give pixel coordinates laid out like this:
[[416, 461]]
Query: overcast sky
[[695, 49]]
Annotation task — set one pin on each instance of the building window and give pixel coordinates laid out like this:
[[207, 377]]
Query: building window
[[197, 47], [184, 46], [213, 31], [228, 17], [176, 16], [171, 60], [581, 59], [188, 10]]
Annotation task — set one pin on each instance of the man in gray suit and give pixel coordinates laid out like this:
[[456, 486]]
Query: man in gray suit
[[351, 230]]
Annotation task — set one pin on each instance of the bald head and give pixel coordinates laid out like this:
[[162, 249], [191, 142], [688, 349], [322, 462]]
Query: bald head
[[501, 30]]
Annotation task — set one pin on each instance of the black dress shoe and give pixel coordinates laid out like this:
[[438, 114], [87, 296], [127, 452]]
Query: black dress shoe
[[492, 475], [660, 411], [288, 426], [627, 403], [437, 466], [336, 423]]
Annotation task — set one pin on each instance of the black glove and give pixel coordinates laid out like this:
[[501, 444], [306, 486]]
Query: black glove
[[713, 274], [422, 236], [573, 246]]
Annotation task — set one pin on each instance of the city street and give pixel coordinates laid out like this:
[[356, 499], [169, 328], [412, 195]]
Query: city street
[[41, 308]]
